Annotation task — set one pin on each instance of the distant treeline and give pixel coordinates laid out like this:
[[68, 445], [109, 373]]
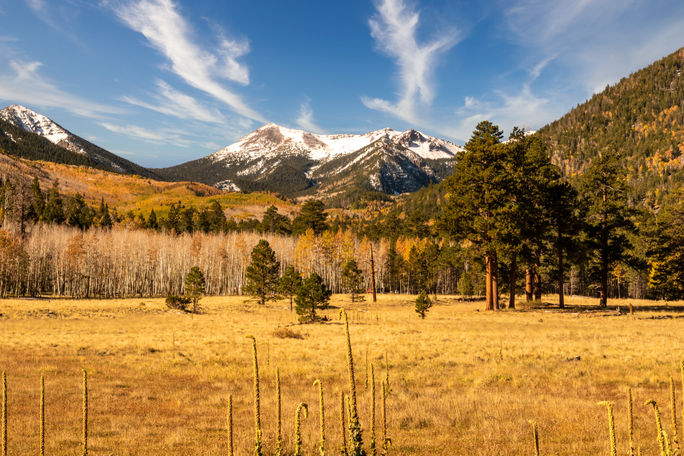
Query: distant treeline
[[507, 221]]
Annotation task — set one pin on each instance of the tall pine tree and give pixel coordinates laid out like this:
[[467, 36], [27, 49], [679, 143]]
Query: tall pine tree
[[477, 193], [609, 217]]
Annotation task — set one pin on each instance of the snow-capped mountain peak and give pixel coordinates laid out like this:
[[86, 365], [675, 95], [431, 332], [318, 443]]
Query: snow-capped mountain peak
[[30, 121], [272, 139], [33, 122]]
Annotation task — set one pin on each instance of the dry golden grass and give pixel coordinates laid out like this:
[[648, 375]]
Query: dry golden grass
[[464, 381]]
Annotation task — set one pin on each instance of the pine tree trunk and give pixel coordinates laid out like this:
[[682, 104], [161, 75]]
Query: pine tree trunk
[[528, 284], [373, 274], [512, 278], [603, 298], [561, 276], [537, 282], [495, 286], [488, 283]]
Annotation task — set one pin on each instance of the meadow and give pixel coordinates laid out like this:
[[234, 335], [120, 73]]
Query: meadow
[[463, 381]]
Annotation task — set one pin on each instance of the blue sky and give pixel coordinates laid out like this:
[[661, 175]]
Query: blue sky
[[165, 81]]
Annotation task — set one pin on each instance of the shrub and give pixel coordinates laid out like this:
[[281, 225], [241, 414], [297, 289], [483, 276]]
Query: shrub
[[195, 286], [178, 302], [423, 304], [311, 295], [287, 333]]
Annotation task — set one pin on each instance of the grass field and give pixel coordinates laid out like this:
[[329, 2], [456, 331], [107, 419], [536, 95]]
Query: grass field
[[464, 381]]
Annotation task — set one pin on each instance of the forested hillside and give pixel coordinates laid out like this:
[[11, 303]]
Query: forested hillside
[[20, 143], [642, 119]]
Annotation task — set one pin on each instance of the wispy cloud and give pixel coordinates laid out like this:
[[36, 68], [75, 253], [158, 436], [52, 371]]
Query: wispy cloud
[[25, 85], [306, 118], [172, 102], [522, 109], [166, 30], [56, 16], [395, 30], [595, 41], [160, 136]]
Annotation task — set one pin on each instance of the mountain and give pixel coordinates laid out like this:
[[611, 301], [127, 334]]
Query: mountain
[[299, 163], [641, 117], [28, 134]]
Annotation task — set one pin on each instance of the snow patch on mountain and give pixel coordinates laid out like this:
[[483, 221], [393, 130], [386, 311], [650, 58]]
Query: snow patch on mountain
[[36, 123], [227, 185], [272, 139]]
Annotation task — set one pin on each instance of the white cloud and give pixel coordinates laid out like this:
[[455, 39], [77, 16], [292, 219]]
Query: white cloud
[[523, 109], [172, 102], [596, 42], [24, 85], [395, 28], [167, 31], [161, 136], [306, 118]]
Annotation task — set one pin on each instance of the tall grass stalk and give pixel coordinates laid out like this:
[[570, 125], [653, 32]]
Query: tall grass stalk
[[372, 411], [4, 414], [385, 438], [673, 407], [230, 425], [257, 401], [387, 381], [85, 413], [279, 417], [298, 431], [535, 434], [321, 447], [659, 427], [42, 415], [343, 427], [366, 370], [630, 421], [355, 433], [681, 368], [668, 445], [611, 427]]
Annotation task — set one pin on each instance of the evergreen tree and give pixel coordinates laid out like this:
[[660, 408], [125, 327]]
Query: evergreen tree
[[195, 286], [172, 223], [152, 221], [290, 283], [394, 268], [77, 213], [186, 223], [608, 215], [273, 222], [423, 304], [353, 280], [566, 220], [216, 218], [311, 216], [262, 274], [105, 219], [475, 206], [54, 212], [311, 295], [666, 251], [417, 269], [38, 201]]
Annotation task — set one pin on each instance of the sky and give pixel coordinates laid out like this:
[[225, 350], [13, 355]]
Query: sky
[[161, 82]]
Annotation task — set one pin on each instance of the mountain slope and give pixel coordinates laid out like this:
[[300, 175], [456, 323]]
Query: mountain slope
[[18, 125], [299, 163], [642, 117]]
